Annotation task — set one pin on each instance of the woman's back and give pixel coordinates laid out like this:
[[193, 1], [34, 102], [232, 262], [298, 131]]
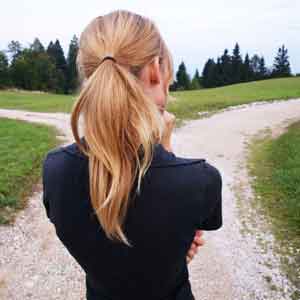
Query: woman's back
[[124, 207], [178, 196]]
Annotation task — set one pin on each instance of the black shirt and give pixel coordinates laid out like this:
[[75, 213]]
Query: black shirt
[[178, 196]]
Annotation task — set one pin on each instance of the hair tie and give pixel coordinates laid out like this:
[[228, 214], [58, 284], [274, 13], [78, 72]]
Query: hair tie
[[108, 57]]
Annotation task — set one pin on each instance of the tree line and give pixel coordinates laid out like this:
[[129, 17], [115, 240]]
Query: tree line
[[39, 68], [232, 68], [48, 69]]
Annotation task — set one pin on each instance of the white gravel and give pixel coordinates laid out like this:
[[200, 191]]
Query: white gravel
[[231, 265]]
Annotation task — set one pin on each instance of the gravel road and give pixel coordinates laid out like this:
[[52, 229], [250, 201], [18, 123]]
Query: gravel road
[[232, 265]]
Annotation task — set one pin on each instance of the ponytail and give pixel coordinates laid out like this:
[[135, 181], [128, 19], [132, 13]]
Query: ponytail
[[121, 123]]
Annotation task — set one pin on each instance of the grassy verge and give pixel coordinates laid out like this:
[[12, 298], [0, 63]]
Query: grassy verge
[[187, 103], [275, 167], [22, 149]]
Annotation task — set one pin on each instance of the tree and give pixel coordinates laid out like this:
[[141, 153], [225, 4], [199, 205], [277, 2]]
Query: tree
[[263, 72], [281, 66], [218, 76], [254, 63], [226, 67], [246, 72], [22, 71], [72, 74], [56, 54], [183, 78], [34, 70], [59, 56], [14, 48], [237, 64], [196, 81], [37, 46], [4, 74], [50, 50], [208, 73]]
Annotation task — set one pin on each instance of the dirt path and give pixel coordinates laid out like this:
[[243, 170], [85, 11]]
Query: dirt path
[[232, 265]]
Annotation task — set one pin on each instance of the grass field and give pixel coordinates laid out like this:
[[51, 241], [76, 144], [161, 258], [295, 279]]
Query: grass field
[[187, 105], [22, 149], [275, 163], [40, 102], [191, 102]]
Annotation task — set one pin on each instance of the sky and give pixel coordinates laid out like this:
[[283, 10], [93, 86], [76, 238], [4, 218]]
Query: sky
[[193, 30]]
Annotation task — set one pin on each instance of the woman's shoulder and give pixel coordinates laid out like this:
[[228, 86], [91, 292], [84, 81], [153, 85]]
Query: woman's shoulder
[[70, 150], [194, 174], [211, 172], [204, 173], [163, 158], [197, 166], [63, 161]]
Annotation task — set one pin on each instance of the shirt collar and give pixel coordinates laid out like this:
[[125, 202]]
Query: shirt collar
[[161, 157]]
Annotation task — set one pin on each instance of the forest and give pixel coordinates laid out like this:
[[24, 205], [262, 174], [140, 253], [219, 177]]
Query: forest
[[48, 68]]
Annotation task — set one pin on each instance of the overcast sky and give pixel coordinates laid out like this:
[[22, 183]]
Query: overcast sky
[[193, 30]]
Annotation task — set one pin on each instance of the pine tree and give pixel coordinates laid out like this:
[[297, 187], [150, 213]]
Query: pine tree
[[37, 46], [281, 67], [208, 73], [72, 77], [247, 73], [61, 62], [237, 64], [50, 50], [218, 76], [226, 67], [4, 74], [196, 81], [56, 54], [183, 78], [263, 72]]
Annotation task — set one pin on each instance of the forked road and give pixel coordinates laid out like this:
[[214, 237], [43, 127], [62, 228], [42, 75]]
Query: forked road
[[232, 265]]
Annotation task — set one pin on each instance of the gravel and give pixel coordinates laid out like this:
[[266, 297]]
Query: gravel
[[233, 264]]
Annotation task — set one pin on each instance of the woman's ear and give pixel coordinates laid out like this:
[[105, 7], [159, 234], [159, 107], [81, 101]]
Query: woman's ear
[[150, 74], [155, 73], [153, 83]]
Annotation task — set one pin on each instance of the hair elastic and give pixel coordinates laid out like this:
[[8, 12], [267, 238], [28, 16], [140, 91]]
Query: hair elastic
[[109, 57]]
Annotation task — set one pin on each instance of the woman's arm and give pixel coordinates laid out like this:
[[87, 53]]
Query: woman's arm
[[170, 121]]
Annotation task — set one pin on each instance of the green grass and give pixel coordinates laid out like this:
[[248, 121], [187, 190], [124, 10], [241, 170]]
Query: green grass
[[187, 105], [22, 149], [191, 102], [40, 102], [275, 165]]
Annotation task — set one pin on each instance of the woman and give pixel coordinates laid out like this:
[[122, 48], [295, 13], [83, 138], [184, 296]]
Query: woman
[[123, 204]]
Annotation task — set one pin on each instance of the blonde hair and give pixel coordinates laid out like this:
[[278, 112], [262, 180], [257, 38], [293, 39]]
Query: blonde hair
[[121, 123]]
